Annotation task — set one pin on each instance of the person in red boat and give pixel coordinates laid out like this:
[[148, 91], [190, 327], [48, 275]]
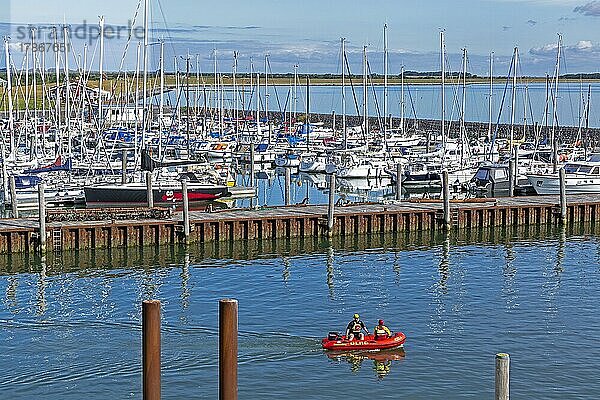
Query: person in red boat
[[381, 331], [355, 328]]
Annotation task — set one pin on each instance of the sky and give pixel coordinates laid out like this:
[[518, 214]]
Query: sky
[[308, 32]]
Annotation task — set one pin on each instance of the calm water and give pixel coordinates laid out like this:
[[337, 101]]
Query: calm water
[[424, 101], [70, 325]]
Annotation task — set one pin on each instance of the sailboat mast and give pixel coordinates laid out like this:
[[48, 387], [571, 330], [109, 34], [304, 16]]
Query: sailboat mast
[[258, 131], [365, 95], [385, 83], [513, 101], [554, 106], [162, 99], [101, 81], [402, 99], [9, 93], [491, 98], [463, 133], [145, 83], [295, 91], [67, 94], [443, 73], [344, 129], [307, 111], [235, 92]]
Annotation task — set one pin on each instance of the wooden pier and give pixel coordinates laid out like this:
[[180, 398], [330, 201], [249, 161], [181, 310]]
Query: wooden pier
[[22, 235]]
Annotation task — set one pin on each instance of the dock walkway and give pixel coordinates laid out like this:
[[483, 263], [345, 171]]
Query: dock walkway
[[22, 235]]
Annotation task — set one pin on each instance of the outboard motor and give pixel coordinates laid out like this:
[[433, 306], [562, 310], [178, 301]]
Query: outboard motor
[[333, 336]]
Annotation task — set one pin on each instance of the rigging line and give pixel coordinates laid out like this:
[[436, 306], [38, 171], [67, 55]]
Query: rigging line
[[126, 49], [352, 85], [564, 58], [274, 86], [501, 107], [375, 98], [169, 36], [412, 105]]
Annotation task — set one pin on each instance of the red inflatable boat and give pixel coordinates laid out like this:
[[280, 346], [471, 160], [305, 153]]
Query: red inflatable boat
[[336, 342]]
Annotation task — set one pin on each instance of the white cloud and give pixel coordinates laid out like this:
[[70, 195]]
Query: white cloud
[[590, 9]]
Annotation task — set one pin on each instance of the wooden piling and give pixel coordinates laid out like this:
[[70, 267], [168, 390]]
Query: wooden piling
[[151, 349], [252, 178], [511, 178], [502, 376], [563, 194], [228, 349], [446, 195], [13, 197], [186, 209], [398, 181], [288, 185], [149, 190], [5, 189], [42, 215], [331, 205], [124, 168]]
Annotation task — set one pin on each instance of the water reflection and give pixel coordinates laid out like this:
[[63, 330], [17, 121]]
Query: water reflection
[[185, 277], [329, 265], [440, 288], [382, 360], [11, 292], [509, 273], [286, 269], [41, 303]]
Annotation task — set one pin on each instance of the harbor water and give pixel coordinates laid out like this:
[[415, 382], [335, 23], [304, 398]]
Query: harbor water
[[71, 322]]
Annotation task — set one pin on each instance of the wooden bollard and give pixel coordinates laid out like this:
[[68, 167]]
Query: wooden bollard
[[228, 349], [149, 190], [252, 178], [5, 189], [288, 185], [563, 194], [124, 168], [446, 195], [13, 197], [398, 181], [502, 376], [151, 349], [511, 178], [42, 215], [186, 209], [331, 205]]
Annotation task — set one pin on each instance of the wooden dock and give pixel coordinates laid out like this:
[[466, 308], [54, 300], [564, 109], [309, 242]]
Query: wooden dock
[[22, 235]]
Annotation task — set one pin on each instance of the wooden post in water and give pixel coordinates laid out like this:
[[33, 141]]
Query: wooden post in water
[[288, 185], [511, 178], [563, 195], [228, 349], [124, 168], [252, 178], [446, 195], [502, 376], [186, 209], [13, 197], [149, 190], [333, 120], [151, 349], [4, 179], [42, 215], [331, 205], [398, 181]]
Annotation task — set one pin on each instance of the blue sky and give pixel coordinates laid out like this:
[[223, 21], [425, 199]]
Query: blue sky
[[307, 32]]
